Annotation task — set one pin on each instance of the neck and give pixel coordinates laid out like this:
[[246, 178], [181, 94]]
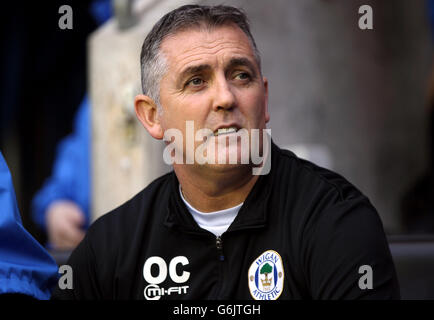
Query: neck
[[212, 190]]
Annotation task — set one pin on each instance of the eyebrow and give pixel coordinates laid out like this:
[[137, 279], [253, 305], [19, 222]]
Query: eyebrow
[[234, 62], [192, 70]]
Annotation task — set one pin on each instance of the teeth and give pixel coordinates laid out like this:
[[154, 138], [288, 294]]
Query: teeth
[[225, 131]]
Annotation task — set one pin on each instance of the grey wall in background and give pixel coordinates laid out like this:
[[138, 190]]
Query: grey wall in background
[[360, 94]]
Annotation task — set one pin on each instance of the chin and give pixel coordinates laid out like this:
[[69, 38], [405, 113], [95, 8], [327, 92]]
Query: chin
[[227, 168]]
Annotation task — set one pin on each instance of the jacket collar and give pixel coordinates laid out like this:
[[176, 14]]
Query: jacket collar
[[253, 213]]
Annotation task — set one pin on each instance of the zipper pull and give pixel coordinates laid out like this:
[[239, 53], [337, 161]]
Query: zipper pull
[[219, 243], [219, 246]]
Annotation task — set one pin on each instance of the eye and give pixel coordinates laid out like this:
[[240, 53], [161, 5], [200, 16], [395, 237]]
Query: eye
[[196, 82], [242, 76]]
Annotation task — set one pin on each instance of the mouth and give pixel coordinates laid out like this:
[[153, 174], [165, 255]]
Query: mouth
[[226, 130]]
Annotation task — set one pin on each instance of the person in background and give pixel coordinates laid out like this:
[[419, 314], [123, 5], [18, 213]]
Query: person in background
[[26, 269], [61, 207]]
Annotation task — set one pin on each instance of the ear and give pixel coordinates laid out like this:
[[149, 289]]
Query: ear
[[147, 113], [267, 115]]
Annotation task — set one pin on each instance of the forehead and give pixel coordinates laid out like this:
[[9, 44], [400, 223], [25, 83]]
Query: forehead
[[199, 45]]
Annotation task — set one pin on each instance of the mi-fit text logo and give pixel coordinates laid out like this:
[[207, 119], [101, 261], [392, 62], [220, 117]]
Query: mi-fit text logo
[[153, 291]]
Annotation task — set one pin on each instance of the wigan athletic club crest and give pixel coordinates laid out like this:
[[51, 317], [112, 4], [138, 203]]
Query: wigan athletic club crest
[[266, 276]]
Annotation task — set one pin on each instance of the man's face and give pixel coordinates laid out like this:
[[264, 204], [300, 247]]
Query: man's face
[[214, 80]]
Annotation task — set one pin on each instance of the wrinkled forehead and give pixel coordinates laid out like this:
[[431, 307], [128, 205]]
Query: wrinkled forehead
[[193, 44]]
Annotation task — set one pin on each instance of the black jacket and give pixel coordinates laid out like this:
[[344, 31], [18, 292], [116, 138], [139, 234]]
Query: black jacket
[[303, 232]]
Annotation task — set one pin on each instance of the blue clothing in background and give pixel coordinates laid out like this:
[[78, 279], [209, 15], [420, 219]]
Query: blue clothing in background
[[430, 9], [25, 267], [70, 179], [101, 11]]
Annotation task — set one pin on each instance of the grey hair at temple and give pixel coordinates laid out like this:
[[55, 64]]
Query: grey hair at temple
[[152, 61]]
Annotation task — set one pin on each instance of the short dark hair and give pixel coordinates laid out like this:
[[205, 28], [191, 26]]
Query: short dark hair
[[184, 17]]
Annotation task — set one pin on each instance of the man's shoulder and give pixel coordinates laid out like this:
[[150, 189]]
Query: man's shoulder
[[138, 209], [306, 178], [116, 236]]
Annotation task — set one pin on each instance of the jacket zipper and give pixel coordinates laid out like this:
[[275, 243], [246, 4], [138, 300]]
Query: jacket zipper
[[221, 258], [219, 246]]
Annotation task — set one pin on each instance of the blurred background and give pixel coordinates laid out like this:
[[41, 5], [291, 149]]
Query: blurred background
[[359, 102], [43, 81]]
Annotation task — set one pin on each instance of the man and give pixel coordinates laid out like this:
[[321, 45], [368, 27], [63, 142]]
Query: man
[[221, 229]]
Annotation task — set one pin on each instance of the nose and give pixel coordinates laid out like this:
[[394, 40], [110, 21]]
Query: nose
[[224, 98]]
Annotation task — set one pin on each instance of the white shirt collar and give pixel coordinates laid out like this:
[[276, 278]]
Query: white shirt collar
[[216, 222]]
